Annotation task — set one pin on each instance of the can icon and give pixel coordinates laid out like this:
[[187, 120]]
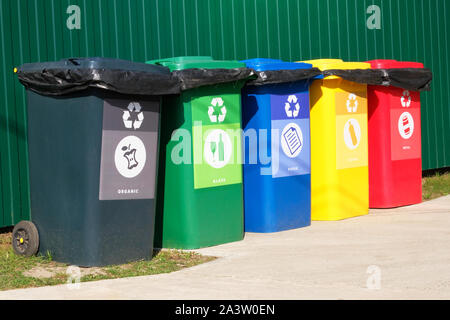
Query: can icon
[[406, 125], [406, 128]]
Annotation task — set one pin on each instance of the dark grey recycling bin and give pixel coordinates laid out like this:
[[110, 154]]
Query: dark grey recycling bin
[[93, 130]]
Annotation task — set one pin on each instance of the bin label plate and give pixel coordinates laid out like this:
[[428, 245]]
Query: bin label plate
[[290, 135], [405, 125], [129, 149], [216, 140], [351, 130]]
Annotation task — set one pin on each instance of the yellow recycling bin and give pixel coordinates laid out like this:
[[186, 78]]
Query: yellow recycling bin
[[339, 144]]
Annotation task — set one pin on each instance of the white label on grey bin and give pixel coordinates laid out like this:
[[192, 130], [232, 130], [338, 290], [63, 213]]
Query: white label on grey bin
[[129, 149]]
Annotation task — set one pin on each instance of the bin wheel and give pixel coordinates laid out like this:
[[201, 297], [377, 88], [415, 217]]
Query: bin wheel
[[25, 239]]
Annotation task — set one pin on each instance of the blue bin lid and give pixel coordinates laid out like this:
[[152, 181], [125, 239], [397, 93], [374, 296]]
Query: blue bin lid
[[262, 64], [259, 61]]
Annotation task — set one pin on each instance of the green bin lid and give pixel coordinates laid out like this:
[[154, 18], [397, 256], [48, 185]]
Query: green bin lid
[[179, 59], [190, 62]]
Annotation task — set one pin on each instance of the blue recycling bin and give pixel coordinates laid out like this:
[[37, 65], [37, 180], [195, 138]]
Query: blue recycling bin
[[277, 167]]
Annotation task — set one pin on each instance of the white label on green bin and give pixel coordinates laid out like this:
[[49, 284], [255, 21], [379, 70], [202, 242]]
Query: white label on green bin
[[216, 141], [129, 149]]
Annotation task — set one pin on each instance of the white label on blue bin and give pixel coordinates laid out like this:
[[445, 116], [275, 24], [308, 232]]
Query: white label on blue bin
[[290, 119], [129, 150]]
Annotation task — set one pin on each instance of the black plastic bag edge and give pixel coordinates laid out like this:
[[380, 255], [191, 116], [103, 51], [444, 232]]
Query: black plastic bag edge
[[65, 81]]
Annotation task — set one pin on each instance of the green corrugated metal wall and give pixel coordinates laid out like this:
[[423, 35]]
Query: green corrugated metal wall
[[35, 30]]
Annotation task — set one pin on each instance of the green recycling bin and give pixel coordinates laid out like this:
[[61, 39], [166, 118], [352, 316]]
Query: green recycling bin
[[93, 127], [200, 193]]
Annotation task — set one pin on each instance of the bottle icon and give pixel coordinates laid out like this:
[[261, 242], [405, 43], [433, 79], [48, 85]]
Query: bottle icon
[[352, 134], [221, 149], [217, 149], [351, 129]]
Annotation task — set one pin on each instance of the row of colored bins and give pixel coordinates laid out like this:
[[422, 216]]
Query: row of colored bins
[[308, 150], [99, 202], [305, 148], [365, 143]]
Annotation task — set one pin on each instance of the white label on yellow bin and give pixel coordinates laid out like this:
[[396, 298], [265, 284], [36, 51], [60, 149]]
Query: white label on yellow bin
[[351, 130]]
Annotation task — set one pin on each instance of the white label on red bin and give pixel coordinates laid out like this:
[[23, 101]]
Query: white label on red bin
[[405, 125]]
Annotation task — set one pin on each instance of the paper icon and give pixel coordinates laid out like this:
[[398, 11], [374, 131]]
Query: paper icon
[[292, 140]]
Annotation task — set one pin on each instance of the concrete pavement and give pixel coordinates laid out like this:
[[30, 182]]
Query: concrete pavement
[[408, 249]]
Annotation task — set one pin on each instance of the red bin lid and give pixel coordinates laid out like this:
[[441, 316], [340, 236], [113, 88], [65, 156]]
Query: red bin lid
[[394, 64]]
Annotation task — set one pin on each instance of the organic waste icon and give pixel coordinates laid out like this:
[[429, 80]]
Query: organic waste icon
[[134, 109], [125, 155], [292, 107], [217, 111], [130, 155]]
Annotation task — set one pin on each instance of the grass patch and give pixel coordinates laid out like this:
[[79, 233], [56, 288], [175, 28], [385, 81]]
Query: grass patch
[[20, 272], [435, 184]]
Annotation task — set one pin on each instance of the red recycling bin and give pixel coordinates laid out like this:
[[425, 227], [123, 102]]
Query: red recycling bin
[[395, 157]]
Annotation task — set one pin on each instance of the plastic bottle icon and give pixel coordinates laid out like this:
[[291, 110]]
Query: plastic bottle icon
[[221, 149], [351, 129]]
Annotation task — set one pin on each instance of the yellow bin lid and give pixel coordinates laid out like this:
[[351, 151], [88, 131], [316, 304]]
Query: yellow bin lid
[[321, 63], [330, 64]]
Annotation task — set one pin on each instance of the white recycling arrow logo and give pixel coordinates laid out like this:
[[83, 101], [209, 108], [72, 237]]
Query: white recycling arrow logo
[[292, 107], [406, 99], [352, 103], [217, 103], [128, 122]]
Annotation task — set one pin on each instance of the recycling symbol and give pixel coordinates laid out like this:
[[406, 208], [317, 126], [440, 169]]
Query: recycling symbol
[[217, 103], [406, 99], [128, 121], [292, 107], [352, 103]]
